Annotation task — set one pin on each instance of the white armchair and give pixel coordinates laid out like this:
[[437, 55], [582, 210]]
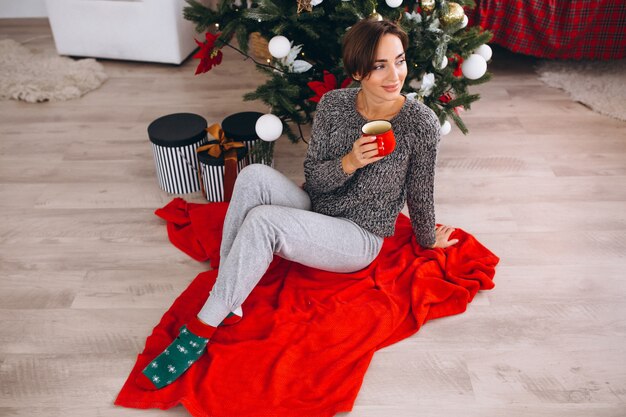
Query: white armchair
[[137, 30]]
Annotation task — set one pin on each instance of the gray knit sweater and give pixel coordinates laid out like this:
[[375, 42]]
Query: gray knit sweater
[[374, 195]]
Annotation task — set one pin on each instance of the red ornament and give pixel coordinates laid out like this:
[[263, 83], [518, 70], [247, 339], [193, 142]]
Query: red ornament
[[459, 60], [445, 98], [329, 83], [208, 54]]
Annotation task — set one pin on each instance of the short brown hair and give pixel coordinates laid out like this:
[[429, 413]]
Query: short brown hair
[[359, 44]]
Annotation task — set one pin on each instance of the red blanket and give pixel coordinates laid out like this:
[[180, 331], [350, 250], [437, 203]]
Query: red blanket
[[307, 335]]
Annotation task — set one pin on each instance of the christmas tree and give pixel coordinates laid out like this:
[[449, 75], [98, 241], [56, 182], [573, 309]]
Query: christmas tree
[[298, 44]]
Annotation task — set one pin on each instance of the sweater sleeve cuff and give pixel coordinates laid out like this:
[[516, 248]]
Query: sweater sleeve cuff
[[427, 242], [425, 238], [336, 174]]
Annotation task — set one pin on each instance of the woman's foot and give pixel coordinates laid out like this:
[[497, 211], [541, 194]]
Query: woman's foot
[[183, 352]]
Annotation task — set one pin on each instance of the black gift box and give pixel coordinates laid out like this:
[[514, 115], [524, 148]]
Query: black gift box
[[212, 171], [175, 138], [241, 127]]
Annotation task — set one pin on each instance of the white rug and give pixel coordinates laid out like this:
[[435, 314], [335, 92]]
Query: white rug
[[36, 76], [600, 85]]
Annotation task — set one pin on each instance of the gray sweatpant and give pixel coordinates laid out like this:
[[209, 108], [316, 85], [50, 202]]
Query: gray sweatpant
[[269, 214]]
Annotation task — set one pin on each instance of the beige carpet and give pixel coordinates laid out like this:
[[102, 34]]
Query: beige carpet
[[600, 85], [36, 76]]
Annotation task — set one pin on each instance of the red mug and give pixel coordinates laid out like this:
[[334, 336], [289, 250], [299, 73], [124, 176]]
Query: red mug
[[383, 132]]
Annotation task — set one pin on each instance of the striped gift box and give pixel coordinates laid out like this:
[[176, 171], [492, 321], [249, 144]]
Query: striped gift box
[[212, 172], [240, 127], [175, 138]]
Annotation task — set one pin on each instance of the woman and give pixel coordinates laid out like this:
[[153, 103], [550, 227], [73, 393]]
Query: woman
[[349, 202]]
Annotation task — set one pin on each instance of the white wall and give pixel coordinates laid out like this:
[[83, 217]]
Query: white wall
[[37, 8], [23, 8]]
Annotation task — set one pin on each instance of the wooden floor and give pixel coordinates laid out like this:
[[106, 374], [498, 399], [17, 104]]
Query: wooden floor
[[86, 269]]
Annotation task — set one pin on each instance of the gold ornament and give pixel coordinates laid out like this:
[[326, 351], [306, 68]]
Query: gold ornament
[[259, 46], [304, 5], [428, 5], [454, 16], [376, 16]]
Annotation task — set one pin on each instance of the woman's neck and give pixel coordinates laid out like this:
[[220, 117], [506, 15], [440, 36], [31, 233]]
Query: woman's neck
[[373, 109]]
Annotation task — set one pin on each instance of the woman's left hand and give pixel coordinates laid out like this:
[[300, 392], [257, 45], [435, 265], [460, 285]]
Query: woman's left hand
[[442, 236]]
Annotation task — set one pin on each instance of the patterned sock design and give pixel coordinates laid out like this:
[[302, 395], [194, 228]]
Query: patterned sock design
[[175, 359]]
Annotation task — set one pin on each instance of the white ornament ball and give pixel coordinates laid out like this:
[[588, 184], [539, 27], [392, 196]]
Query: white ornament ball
[[444, 63], [393, 3], [268, 127], [279, 46], [464, 22], [484, 51], [446, 127], [474, 67]]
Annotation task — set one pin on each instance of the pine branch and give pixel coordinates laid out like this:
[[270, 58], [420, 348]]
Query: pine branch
[[458, 121], [291, 135], [242, 39], [266, 11], [259, 64], [200, 14]]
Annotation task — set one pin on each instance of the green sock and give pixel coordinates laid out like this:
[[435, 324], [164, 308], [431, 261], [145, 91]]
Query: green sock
[[175, 359]]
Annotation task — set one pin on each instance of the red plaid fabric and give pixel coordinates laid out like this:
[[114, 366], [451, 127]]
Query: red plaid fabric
[[573, 29]]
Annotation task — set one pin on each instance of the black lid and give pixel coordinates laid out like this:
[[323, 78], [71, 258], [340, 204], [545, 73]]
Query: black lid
[[179, 129], [207, 159], [241, 126]]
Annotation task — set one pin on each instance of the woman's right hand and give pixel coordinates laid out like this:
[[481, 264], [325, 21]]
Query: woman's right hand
[[442, 237], [364, 152]]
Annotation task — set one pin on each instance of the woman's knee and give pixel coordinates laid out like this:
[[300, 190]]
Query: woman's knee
[[262, 214], [253, 172], [249, 178], [266, 219]]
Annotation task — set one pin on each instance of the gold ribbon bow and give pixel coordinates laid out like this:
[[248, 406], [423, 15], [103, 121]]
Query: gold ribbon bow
[[229, 149], [223, 144]]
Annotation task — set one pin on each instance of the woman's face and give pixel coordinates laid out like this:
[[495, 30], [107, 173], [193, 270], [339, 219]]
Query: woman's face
[[389, 72]]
